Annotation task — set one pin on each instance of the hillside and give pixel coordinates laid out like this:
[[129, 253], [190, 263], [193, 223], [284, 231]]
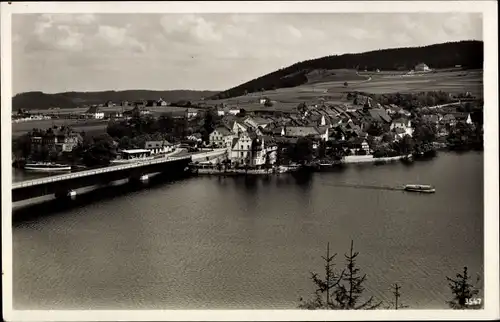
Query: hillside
[[40, 101], [468, 54]]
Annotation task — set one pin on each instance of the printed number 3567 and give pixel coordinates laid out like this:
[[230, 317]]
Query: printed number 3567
[[474, 301]]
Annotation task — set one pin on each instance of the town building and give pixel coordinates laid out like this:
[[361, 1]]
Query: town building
[[449, 119], [115, 115], [358, 144], [159, 147], [195, 137], [265, 151], [241, 148], [402, 124], [61, 139], [94, 112], [220, 136]]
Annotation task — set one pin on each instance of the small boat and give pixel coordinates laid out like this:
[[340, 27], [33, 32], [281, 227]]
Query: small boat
[[419, 188], [46, 167]]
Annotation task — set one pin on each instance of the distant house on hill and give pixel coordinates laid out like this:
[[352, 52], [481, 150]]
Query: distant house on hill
[[138, 110], [95, 113], [115, 115], [422, 68], [191, 112], [161, 102]]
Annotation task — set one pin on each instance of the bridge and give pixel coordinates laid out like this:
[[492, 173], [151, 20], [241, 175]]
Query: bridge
[[64, 185]]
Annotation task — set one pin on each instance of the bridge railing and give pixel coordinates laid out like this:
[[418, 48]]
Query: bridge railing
[[84, 173], [214, 153]]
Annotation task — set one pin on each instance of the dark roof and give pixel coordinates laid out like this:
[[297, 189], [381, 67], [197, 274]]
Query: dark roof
[[261, 120], [281, 139], [431, 118], [322, 129], [300, 131], [223, 130], [93, 110], [156, 144], [461, 115], [380, 115], [402, 121], [356, 140]]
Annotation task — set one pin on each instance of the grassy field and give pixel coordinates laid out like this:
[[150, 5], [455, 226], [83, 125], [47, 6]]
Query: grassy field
[[92, 127], [155, 109], [453, 81], [331, 88]]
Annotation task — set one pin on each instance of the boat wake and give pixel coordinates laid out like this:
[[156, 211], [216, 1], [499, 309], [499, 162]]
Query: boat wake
[[364, 186]]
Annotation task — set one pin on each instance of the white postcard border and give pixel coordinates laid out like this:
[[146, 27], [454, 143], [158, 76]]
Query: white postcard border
[[491, 220]]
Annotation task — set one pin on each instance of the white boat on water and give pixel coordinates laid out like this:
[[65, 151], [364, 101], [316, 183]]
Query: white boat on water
[[46, 167], [420, 188]]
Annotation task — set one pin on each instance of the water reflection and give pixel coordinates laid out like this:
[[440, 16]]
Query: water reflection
[[197, 243]]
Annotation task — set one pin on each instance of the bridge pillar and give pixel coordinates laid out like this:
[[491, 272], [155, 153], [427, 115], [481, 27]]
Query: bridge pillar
[[68, 194], [138, 179]]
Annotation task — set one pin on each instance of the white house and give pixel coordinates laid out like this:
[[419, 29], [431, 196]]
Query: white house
[[161, 102], [95, 113], [159, 147], [220, 111], [241, 148]]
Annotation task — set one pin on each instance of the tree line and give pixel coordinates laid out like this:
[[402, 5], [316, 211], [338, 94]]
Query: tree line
[[41, 101]]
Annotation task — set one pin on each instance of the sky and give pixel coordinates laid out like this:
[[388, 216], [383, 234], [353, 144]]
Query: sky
[[95, 52]]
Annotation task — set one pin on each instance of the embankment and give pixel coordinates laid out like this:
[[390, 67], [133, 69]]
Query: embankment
[[369, 158]]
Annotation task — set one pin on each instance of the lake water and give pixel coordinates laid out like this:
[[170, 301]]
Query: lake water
[[251, 243]]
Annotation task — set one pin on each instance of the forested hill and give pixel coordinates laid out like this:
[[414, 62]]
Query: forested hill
[[39, 100], [468, 54]]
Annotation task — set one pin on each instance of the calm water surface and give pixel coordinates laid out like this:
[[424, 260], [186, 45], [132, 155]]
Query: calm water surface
[[236, 243]]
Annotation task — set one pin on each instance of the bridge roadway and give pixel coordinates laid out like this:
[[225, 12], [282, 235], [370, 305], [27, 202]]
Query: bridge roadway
[[64, 184]]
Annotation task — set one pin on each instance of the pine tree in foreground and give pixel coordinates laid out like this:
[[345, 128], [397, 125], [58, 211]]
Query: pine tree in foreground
[[348, 293], [397, 295], [463, 292], [342, 291], [324, 286]]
